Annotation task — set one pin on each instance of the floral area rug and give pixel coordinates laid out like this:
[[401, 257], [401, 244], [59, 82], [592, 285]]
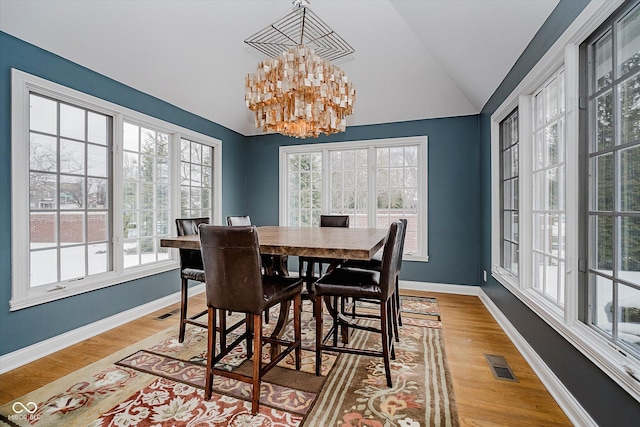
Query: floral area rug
[[154, 383], [158, 382], [356, 394]]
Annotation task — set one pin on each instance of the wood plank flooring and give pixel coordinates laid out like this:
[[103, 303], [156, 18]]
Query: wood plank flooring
[[469, 330]]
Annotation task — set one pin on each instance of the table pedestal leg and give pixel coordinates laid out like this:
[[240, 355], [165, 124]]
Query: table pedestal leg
[[278, 330]]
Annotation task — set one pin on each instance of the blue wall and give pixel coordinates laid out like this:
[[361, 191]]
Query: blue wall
[[30, 325], [454, 190], [606, 402]]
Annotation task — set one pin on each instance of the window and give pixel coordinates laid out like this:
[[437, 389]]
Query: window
[[146, 189], [374, 182], [531, 223], [577, 204], [69, 191], [397, 191], [196, 174], [304, 189], [95, 186], [509, 154], [613, 147], [350, 185], [548, 176]]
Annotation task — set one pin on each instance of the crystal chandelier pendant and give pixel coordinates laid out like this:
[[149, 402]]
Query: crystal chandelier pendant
[[298, 92]]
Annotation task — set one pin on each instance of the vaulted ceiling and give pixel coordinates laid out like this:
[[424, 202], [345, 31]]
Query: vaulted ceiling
[[413, 59]]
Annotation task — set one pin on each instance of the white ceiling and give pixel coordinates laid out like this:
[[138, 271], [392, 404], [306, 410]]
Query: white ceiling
[[414, 59]]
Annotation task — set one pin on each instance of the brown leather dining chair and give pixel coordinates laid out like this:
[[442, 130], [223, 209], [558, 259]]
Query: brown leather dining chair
[[271, 264], [234, 282], [376, 264], [345, 282], [307, 265], [191, 268]]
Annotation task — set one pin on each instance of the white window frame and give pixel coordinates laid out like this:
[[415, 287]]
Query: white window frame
[[22, 295], [325, 148], [203, 212], [501, 197], [565, 51], [529, 168]]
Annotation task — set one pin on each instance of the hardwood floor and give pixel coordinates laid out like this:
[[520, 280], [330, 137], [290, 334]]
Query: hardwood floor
[[469, 330]]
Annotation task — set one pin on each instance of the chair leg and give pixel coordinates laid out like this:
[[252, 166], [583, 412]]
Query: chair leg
[[384, 326], [211, 348], [313, 303], [394, 317], [391, 326], [223, 331], [257, 363], [318, 310], [297, 328], [250, 331], [335, 321], [184, 298], [398, 302]]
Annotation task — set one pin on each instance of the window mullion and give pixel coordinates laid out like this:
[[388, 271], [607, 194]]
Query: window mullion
[[423, 194], [572, 175], [118, 202], [326, 182], [58, 211], [174, 177], [526, 138], [372, 201]]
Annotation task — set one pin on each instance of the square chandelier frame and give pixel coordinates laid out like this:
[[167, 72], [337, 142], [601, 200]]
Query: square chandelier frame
[[300, 27]]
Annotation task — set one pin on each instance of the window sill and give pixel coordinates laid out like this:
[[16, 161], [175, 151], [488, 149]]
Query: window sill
[[61, 290], [415, 258]]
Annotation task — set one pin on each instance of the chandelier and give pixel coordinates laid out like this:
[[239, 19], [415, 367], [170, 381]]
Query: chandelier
[[299, 92]]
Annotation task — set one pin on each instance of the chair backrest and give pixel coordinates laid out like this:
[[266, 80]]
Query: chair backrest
[[233, 278], [190, 258], [390, 255], [239, 220], [402, 236], [334, 221]]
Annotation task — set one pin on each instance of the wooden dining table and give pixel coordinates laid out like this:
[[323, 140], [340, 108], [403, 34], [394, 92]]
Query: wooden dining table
[[318, 242]]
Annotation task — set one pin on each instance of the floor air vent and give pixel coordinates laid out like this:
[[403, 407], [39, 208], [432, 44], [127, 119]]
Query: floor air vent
[[168, 314], [500, 368]]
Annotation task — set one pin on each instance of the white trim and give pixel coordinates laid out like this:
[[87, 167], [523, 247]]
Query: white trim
[[105, 280], [41, 349], [444, 288], [572, 175], [22, 296]]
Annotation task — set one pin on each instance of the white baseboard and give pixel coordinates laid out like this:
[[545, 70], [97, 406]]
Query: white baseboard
[[440, 287], [569, 405], [43, 348]]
